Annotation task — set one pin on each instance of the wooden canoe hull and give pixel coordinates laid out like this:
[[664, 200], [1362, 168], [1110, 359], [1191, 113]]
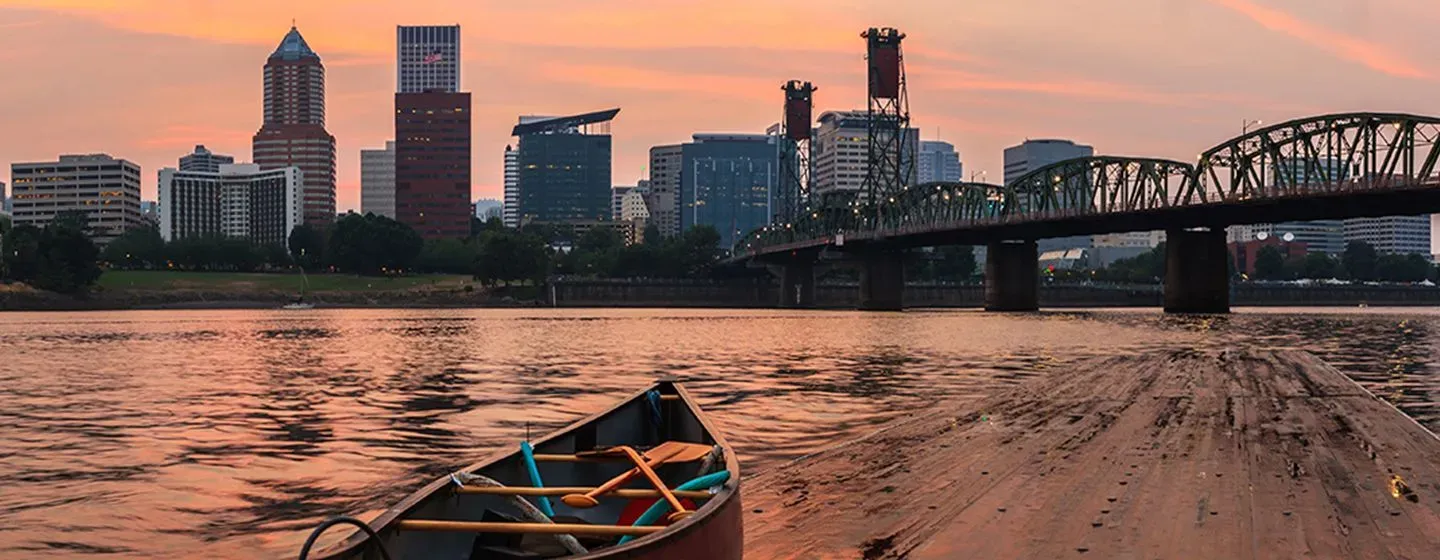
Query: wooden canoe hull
[[714, 532]]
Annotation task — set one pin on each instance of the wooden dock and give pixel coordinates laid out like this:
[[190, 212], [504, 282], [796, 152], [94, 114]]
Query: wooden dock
[[1233, 455]]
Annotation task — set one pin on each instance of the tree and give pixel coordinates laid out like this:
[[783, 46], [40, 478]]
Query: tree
[[141, 247], [451, 256], [652, 234], [68, 262], [1401, 268], [22, 252], [372, 244], [508, 256], [1320, 266], [1269, 263], [1360, 260], [307, 246]]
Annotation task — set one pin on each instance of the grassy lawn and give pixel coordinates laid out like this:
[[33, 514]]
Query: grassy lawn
[[259, 281]]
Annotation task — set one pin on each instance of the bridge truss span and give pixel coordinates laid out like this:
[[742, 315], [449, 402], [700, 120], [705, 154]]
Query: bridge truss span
[[1314, 156]]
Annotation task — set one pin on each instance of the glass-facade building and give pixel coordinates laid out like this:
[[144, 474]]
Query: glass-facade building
[[427, 58], [563, 168], [726, 181]]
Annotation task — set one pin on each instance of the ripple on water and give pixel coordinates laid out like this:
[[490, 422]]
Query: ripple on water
[[227, 434]]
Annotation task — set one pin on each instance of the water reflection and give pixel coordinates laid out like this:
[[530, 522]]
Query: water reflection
[[226, 434]]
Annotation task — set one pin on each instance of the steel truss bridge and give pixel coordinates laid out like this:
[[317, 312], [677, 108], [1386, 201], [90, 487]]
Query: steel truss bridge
[[1325, 167]]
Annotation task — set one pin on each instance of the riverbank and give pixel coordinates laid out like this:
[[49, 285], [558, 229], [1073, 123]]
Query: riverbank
[[1168, 454]]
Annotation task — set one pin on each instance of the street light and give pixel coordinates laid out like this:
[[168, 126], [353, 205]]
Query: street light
[[973, 173], [1245, 125]]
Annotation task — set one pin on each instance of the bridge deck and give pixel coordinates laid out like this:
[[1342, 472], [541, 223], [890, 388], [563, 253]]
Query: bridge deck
[[1170, 455]]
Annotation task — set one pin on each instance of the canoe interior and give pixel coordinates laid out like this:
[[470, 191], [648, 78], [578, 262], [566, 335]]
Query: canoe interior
[[629, 423]]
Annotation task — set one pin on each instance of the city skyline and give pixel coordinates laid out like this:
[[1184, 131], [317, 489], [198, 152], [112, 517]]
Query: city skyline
[[1170, 88]]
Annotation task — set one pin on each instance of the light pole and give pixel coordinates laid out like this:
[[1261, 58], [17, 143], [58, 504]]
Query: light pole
[[973, 174], [1246, 124]]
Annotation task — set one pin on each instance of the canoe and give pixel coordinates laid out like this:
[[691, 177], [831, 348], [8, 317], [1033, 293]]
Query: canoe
[[473, 513]]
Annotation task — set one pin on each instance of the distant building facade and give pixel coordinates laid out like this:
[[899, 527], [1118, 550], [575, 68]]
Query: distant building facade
[[938, 161], [4, 200], [726, 181], [564, 169], [617, 193], [840, 158], [104, 188], [377, 181], [432, 163], [1035, 154], [487, 208], [1401, 235], [240, 200], [510, 214], [427, 58], [664, 196], [293, 133], [1244, 252], [203, 159]]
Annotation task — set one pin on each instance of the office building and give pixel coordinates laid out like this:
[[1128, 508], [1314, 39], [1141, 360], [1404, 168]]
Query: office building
[[840, 158], [617, 194], [1035, 154], [150, 212], [510, 214], [726, 181], [1243, 253], [564, 168], [377, 181], [203, 159], [664, 196], [293, 133], [1399, 235], [4, 200], [104, 188], [238, 200], [427, 58], [938, 161], [432, 163], [487, 208]]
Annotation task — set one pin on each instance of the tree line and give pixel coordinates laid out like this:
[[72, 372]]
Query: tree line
[[1360, 262]]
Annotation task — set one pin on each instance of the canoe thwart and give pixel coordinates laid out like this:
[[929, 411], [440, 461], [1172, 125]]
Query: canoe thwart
[[563, 490], [521, 528]]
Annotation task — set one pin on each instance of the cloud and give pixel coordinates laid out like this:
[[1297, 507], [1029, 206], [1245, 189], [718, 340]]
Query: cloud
[[1374, 56]]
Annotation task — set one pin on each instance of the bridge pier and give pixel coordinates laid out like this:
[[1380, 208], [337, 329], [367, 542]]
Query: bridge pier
[[882, 280], [1197, 271], [797, 285], [1012, 276]]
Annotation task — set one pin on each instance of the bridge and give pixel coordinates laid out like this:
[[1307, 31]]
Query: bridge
[[1335, 166]]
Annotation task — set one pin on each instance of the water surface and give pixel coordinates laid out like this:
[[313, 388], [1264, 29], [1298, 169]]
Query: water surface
[[228, 434]]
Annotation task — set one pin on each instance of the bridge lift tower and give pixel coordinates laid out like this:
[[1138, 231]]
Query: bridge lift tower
[[794, 146], [889, 158]]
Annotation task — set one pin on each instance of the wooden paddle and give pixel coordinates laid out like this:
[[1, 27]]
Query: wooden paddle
[[667, 452]]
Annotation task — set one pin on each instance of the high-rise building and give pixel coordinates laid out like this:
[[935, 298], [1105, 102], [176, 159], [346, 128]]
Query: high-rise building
[[105, 189], [840, 157], [1392, 234], [1034, 154], [427, 58], [4, 200], [150, 211], [726, 181], [432, 163], [203, 159], [617, 194], [510, 215], [487, 208], [238, 200], [564, 168], [938, 161], [377, 181], [293, 133], [664, 196]]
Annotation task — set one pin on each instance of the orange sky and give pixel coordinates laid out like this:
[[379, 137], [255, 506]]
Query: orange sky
[[148, 79]]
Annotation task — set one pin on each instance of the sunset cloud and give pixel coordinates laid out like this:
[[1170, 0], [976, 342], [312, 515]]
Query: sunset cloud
[[1354, 49]]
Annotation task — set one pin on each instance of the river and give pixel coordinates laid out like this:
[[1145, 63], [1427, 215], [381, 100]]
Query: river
[[228, 434]]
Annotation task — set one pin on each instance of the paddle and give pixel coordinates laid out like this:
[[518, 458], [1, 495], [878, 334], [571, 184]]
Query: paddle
[[667, 452]]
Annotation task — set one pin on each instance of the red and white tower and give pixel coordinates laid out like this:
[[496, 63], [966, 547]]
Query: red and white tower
[[293, 133]]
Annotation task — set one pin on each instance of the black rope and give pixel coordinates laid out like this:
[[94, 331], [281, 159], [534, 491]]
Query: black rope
[[337, 520]]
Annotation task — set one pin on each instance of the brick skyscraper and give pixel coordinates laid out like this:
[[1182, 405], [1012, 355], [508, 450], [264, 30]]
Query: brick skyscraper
[[294, 129]]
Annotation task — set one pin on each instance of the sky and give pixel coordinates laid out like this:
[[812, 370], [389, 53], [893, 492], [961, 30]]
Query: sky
[[147, 80]]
